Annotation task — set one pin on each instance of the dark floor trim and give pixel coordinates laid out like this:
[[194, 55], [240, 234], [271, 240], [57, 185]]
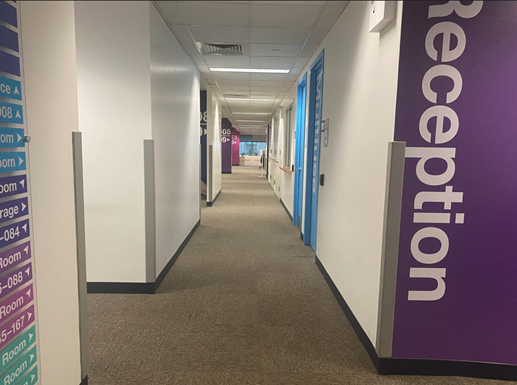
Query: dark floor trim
[[140, 287], [415, 366], [286, 210], [84, 381], [226, 172], [174, 258], [210, 204]]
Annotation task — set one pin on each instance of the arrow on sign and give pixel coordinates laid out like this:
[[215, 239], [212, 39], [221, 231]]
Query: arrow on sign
[[19, 137], [18, 114], [16, 91], [23, 206], [29, 293], [24, 227], [22, 182], [30, 315], [28, 271], [20, 160], [32, 377], [30, 337], [32, 357], [26, 250]]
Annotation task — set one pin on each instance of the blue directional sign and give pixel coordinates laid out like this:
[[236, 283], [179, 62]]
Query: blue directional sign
[[12, 161], [14, 232], [11, 137], [11, 113], [9, 63], [12, 185], [8, 14], [13, 209], [10, 88], [8, 38]]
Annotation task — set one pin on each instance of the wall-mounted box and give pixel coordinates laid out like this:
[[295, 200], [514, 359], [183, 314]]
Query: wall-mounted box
[[381, 14]]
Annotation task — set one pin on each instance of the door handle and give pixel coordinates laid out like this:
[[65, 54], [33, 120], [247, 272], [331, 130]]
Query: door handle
[[299, 169]]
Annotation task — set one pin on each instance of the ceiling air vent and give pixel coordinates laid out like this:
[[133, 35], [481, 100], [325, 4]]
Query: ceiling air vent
[[220, 49], [235, 96]]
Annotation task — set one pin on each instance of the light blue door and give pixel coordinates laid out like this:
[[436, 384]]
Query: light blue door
[[313, 151], [299, 159]]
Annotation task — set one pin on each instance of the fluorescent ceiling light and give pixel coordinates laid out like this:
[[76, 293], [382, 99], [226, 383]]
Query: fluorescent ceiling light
[[251, 100], [251, 70], [251, 113]]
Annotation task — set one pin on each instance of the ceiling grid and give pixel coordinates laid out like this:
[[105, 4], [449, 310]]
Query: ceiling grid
[[274, 35]]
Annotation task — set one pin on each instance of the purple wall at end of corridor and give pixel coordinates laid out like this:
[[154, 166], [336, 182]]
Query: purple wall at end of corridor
[[226, 146], [456, 293], [236, 142]]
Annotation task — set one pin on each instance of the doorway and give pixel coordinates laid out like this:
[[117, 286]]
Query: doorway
[[313, 151], [299, 157]]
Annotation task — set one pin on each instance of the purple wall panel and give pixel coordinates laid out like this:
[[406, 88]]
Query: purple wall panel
[[226, 146], [236, 142]]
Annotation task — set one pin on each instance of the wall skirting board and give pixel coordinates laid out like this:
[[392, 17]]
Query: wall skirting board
[[393, 366], [143, 287], [210, 204], [286, 210], [84, 381]]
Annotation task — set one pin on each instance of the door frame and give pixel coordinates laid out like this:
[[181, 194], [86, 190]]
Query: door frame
[[299, 155], [308, 228]]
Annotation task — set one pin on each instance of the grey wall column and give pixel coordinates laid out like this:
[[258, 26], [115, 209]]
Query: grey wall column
[[390, 247], [81, 250], [150, 211], [210, 178]]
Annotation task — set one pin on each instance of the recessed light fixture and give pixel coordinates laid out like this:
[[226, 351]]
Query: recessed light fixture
[[251, 70], [251, 100]]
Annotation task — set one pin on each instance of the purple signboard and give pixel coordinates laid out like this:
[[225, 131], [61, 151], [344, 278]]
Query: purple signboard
[[14, 256], [11, 305], [13, 209], [16, 325], [456, 293], [226, 146], [15, 279], [12, 185], [14, 232]]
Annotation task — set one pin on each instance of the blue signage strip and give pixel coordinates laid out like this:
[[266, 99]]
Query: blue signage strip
[[8, 38], [13, 185], [13, 209], [11, 113], [10, 88], [14, 232], [11, 137], [12, 161], [9, 63], [8, 14]]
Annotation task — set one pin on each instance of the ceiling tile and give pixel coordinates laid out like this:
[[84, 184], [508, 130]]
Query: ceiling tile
[[267, 83], [234, 89], [279, 35], [301, 62], [330, 16], [309, 50], [282, 15], [272, 62], [296, 70], [287, 88], [227, 60], [283, 49], [182, 32], [274, 77], [170, 10], [208, 13], [266, 89], [220, 34], [228, 82], [230, 76], [317, 36], [293, 78]]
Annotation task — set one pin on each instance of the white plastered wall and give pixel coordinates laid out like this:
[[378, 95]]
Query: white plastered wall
[[213, 138], [51, 98], [113, 71], [175, 129], [359, 95]]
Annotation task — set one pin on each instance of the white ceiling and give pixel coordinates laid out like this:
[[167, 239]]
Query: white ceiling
[[273, 34]]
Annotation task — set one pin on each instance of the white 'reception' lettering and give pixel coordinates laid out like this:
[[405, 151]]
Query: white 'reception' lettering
[[438, 125]]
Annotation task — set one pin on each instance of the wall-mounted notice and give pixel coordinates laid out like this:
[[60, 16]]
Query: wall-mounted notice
[[18, 307], [456, 291], [325, 125]]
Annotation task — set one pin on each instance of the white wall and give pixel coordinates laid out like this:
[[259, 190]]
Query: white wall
[[175, 129], [213, 138], [51, 95], [359, 94], [113, 61]]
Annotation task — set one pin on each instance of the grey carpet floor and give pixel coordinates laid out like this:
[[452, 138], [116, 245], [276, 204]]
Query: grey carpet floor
[[243, 305]]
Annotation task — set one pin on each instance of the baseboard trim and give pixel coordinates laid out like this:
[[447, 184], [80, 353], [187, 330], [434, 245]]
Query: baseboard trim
[[140, 287], [286, 210], [418, 367], [210, 204], [226, 172], [84, 381]]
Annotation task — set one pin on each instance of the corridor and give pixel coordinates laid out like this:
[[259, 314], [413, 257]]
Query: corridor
[[244, 304]]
